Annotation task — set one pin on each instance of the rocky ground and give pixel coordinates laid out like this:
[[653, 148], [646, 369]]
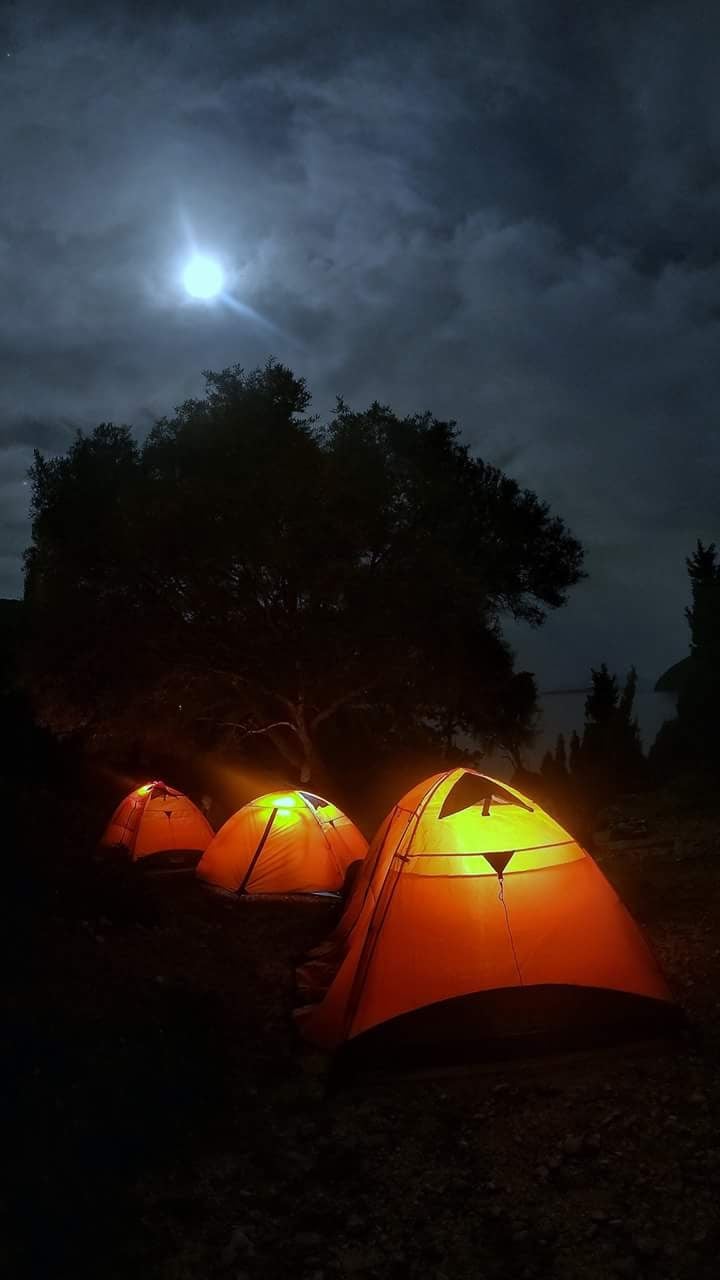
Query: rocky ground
[[163, 1120]]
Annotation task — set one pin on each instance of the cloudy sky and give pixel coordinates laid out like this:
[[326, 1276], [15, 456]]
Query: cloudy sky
[[505, 212]]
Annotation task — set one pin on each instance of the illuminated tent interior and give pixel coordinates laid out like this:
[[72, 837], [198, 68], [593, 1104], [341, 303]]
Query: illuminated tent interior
[[158, 823], [478, 922], [285, 842]]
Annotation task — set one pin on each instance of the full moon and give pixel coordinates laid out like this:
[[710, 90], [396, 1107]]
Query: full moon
[[202, 277]]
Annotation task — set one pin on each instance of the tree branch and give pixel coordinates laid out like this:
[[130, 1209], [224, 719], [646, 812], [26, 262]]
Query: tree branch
[[234, 679], [251, 733], [335, 705]]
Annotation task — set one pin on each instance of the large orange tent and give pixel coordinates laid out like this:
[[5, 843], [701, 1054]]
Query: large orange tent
[[284, 842], [477, 919], [158, 823]]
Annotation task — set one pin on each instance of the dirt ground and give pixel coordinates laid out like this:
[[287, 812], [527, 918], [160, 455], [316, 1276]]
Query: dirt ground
[[162, 1120]]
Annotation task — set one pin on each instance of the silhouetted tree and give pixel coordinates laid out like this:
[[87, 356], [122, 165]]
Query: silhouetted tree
[[574, 757], [554, 765], [249, 572], [600, 704], [691, 739], [699, 699], [27, 752], [609, 758], [557, 791]]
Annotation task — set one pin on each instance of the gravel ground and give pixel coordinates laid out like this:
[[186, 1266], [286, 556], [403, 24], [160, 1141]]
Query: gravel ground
[[163, 1120]]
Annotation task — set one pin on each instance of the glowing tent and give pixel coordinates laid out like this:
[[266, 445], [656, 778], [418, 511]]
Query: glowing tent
[[476, 919], [285, 842], [158, 823]]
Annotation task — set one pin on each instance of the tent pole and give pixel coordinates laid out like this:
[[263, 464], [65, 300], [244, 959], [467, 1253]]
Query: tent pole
[[258, 851]]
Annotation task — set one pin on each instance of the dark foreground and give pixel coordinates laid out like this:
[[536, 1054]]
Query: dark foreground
[[162, 1120]]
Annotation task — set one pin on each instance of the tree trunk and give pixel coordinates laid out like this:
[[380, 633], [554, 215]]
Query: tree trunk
[[311, 769], [297, 748], [292, 757]]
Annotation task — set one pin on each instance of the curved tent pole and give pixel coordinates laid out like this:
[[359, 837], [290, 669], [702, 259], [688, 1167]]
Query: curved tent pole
[[261, 845], [381, 847], [323, 833], [384, 899], [375, 926], [412, 817], [141, 815]]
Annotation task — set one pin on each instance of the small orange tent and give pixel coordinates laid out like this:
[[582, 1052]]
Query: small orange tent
[[285, 842], [477, 919], [158, 823]]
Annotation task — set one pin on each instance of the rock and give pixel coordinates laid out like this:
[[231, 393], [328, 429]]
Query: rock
[[646, 1245], [572, 1146], [611, 1118], [308, 1240], [239, 1245], [626, 1267], [355, 1260], [314, 1064]]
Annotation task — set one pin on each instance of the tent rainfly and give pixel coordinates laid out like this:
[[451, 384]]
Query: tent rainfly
[[477, 920], [160, 826], [285, 842]]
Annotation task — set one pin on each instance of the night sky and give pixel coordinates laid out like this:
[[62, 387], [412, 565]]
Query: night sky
[[503, 212]]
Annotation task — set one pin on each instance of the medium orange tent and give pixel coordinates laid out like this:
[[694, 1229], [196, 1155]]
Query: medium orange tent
[[158, 823], [477, 919], [285, 842]]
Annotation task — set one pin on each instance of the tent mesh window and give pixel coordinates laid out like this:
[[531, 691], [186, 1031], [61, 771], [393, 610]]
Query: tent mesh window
[[473, 788], [316, 801]]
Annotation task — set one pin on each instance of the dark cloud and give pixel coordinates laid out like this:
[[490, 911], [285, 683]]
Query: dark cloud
[[504, 212], [34, 433]]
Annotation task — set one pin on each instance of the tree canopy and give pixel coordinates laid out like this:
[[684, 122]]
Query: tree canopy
[[691, 739], [605, 761], [610, 757], [249, 571]]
